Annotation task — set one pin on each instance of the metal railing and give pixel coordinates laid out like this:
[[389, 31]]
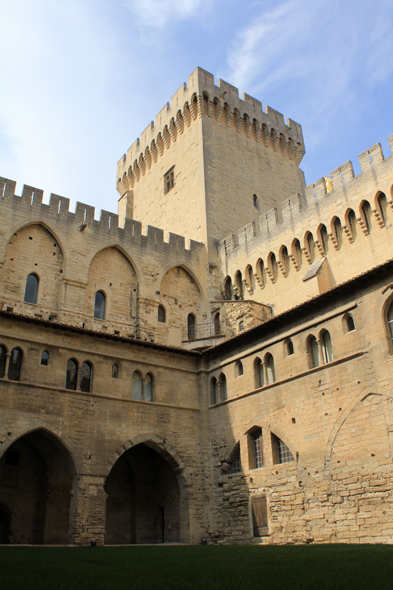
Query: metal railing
[[203, 331]]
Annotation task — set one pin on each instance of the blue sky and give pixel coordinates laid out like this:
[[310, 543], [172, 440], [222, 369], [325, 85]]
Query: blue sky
[[80, 79]]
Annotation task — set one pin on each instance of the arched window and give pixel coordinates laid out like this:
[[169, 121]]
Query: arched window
[[3, 356], [349, 324], [31, 290], [15, 365], [223, 387], [137, 386], [313, 352], [149, 387], [191, 326], [365, 211], [217, 325], [271, 374], [99, 306], [389, 318], [228, 289], [258, 373], [327, 350], [45, 358], [288, 347], [86, 377], [214, 391], [115, 371], [161, 314], [72, 375], [238, 368]]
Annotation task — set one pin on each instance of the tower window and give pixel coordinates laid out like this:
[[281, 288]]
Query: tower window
[[15, 365], [45, 358], [161, 314], [255, 201], [31, 290], [99, 306], [169, 180]]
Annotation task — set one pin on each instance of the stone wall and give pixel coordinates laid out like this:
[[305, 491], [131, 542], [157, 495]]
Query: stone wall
[[335, 420]]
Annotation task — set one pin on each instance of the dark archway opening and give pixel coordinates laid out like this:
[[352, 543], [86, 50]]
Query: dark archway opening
[[37, 480], [5, 524], [143, 504]]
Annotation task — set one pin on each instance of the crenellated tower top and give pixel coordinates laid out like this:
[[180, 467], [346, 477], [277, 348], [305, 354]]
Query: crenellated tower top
[[227, 161]]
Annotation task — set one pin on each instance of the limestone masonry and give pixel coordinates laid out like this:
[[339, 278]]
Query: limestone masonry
[[228, 376]]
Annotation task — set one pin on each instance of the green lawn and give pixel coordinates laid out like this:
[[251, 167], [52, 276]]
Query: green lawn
[[246, 567]]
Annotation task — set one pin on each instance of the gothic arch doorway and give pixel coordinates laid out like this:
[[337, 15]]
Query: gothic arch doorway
[[143, 504], [38, 484]]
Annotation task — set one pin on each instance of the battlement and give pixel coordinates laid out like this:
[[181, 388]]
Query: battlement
[[344, 190], [202, 98], [29, 208]]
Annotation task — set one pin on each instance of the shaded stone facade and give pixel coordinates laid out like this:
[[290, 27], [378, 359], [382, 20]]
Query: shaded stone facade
[[232, 383]]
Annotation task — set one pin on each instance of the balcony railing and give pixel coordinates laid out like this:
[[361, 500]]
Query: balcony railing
[[203, 331]]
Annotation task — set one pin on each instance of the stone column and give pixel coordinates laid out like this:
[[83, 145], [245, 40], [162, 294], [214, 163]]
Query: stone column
[[321, 359], [7, 364], [265, 380], [90, 514]]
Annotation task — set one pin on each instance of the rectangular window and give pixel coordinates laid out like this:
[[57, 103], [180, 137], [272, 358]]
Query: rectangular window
[[259, 516], [169, 180], [237, 464], [255, 455]]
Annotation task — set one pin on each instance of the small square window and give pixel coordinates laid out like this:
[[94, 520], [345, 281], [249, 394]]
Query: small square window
[[169, 180]]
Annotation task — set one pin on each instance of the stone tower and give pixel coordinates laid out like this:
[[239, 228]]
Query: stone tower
[[210, 163]]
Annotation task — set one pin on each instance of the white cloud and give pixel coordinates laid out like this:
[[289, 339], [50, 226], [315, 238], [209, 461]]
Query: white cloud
[[157, 13]]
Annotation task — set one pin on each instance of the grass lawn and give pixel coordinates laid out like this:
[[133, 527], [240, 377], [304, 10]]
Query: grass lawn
[[245, 567]]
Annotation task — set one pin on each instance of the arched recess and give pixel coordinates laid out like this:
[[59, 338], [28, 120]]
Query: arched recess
[[182, 296], [266, 427], [147, 494], [39, 485], [33, 249], [365, 420], [111, 272]]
